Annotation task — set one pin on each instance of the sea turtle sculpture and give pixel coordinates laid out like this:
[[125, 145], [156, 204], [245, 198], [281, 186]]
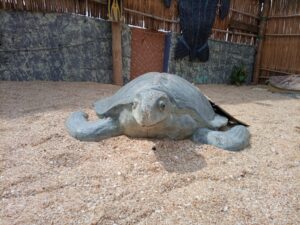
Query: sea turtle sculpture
[[159, 105]]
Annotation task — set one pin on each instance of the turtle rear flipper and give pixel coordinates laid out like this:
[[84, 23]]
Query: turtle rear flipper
[[80, 128], [233, 139], [219, 121]]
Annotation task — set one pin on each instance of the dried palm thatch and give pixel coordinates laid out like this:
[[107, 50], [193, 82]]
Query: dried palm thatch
[[91, 8]]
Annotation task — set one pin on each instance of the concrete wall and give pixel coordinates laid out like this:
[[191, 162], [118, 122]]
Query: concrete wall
[[223, 56], [50, 46], [126, 52], [37, 46]]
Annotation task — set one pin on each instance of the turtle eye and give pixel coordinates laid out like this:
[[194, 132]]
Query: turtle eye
[[161, 105]]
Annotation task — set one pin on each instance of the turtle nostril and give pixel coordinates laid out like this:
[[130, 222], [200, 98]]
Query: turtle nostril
[[144, 116], [134, 105]]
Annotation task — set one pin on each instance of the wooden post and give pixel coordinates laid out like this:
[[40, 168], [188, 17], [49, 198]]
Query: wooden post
[[260, 39], [116, 29]]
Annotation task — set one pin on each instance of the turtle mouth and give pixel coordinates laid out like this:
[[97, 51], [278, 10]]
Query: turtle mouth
[[151, 125]]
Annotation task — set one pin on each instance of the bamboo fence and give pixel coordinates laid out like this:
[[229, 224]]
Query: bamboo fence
[[90, 8], [281, 44], [243, 12], [152, 14]]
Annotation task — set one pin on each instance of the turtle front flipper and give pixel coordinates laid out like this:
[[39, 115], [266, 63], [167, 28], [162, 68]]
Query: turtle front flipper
[[80, 128], [234, 139]]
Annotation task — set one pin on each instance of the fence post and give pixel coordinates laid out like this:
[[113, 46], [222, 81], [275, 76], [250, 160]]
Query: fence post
[[116, 29], [260, 39], [115, 11]]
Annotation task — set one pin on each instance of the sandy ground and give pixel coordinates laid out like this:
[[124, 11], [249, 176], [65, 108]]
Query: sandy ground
[[47, 177]]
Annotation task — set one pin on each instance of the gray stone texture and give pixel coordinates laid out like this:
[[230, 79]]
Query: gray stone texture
[[51, 46], [126, 52], [217, 70]]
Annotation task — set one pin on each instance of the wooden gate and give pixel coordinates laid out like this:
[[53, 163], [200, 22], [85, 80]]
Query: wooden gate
[[147, 51]]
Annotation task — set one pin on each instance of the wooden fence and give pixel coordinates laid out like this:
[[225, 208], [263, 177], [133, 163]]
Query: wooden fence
[[281, 44], [152, 14], [240, 26]]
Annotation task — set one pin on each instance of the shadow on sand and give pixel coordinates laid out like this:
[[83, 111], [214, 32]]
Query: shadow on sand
[[178, 156]]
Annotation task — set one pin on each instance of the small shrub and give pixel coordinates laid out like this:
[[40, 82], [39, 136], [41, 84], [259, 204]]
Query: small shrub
[[238, 75]]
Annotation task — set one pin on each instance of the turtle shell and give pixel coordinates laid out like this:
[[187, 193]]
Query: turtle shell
[[187, 98]]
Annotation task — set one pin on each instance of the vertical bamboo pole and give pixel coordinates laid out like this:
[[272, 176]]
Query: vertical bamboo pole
[[116, 28], [260, 39]]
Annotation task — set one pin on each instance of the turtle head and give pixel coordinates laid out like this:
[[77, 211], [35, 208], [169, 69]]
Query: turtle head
[[151, 107]]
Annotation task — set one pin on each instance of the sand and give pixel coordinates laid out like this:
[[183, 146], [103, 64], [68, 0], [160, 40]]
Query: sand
[[47, 177]]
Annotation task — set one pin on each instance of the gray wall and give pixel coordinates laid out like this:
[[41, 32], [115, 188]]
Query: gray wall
[[223, 56], [126, 52], [46, 46], [37, 46]]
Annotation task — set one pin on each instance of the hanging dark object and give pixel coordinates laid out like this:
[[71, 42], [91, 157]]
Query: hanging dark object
[[224, 8], [196, 20], [167, 3]]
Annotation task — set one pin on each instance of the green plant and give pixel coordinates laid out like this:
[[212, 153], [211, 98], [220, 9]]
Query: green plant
[[238, 75]]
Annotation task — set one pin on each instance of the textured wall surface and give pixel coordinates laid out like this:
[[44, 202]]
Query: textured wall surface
[[223, 56], [37, 46], [126, 52], [147, 51]]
